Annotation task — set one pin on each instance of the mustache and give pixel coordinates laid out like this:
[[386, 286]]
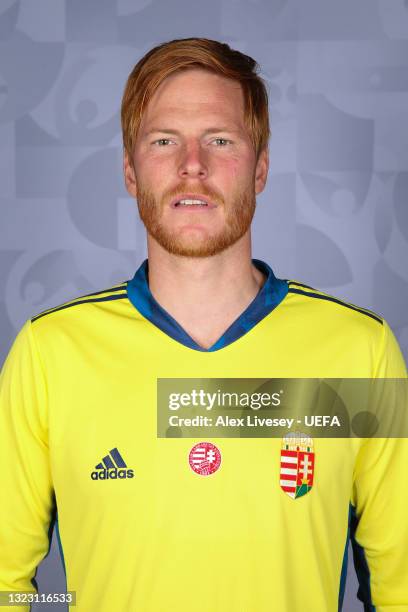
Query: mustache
[[202, 191]]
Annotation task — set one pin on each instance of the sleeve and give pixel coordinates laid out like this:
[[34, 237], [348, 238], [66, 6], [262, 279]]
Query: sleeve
[[27, 508], [378, 513]]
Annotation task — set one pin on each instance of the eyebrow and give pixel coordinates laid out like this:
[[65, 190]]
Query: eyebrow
[[212, 130]]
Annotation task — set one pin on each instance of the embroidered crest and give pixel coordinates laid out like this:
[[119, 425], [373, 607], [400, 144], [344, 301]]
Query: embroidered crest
[[297, 464], [204, 458]]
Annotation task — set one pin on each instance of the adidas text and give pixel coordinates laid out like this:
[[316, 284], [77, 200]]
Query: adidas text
[[111, 474]]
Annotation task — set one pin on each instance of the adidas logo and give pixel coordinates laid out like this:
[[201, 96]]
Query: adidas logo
[[112, 466]]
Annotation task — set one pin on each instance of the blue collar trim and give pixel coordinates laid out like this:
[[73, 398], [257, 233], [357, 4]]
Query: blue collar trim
[[269, 296]]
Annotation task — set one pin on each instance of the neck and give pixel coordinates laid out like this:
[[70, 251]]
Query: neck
[[204, 295]]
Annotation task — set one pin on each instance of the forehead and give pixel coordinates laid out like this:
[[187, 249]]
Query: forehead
[[196, 94]]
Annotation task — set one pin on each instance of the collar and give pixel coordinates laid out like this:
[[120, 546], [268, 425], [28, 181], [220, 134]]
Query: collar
[[269, 296]]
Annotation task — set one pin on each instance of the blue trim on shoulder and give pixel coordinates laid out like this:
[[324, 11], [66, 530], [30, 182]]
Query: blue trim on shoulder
[[292, 282], [269, 296], [329, 298], [343, 575], [108, 298], [361, 565]]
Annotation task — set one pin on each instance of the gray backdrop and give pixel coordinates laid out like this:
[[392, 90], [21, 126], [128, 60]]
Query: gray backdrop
[[335, 211]]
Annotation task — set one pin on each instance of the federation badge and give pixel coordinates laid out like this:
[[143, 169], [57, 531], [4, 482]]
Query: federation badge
[[204, 458], [297, 464]]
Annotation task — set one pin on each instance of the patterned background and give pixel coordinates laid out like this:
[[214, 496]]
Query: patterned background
[[335, 211]]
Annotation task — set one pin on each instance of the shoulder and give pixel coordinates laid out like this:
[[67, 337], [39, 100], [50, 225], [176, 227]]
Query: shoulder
[[359, 334], [81, 305], [330, 307], [326, 318]]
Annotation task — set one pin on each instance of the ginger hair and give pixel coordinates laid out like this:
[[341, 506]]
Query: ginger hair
[[192, 53]]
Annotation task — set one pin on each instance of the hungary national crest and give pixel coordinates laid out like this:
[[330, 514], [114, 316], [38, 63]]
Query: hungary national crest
[[297, 464]]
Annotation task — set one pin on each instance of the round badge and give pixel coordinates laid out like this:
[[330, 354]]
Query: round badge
[[204, 458]]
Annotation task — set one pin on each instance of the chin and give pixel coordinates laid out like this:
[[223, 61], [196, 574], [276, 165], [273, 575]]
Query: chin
[[198, 248], [205, 249]]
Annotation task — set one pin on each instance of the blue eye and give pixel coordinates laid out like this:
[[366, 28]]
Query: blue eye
[[160, 141], [223, 139]]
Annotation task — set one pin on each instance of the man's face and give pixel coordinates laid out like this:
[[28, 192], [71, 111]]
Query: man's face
[[192, 145]]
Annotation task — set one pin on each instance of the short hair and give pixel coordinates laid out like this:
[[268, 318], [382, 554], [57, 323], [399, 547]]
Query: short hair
[[187, 53]]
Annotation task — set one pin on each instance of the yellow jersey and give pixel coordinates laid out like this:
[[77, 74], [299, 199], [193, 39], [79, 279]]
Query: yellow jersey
[[141, 526]]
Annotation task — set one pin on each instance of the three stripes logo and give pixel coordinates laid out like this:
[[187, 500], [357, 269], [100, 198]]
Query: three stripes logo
[[112, 467]]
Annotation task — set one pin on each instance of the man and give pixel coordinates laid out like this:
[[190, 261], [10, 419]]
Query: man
[[149, 523]]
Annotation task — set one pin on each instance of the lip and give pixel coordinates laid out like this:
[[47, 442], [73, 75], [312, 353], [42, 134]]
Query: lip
[[192, 196]]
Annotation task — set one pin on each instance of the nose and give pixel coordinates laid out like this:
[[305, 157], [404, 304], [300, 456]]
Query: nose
[[193, 161]]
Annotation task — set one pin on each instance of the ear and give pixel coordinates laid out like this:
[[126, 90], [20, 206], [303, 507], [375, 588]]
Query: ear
[[129, 174], [261, 170]]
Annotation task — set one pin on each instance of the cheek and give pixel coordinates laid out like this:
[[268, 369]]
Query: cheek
[[150, 172], [237, 170]]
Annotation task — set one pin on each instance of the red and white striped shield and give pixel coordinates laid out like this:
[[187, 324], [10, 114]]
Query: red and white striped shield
[[297, 464]]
